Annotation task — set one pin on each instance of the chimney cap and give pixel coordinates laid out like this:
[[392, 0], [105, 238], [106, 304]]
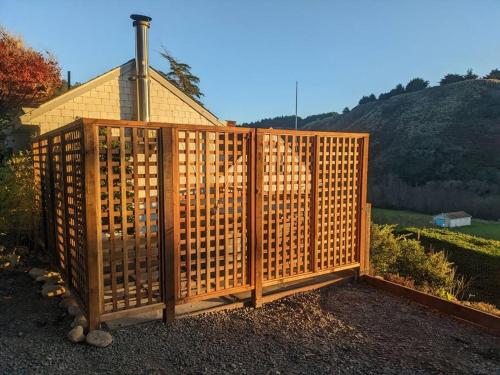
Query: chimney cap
[[138, 18]]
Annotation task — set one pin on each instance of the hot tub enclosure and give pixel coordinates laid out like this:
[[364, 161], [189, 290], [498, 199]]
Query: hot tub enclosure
[[151, 215]]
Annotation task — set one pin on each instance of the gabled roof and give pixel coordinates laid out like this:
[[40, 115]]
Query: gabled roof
[[128, 67], [455, 214]]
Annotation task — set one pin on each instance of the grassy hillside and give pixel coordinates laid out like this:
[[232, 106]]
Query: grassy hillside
[[475, 253], [432, 150], [480, 228]]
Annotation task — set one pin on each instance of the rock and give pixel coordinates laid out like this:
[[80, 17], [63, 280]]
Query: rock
[[99, 338], [5, 264], [66, 294], [36, 272], [14, 259], [75, 310], [50, 277], [52, 290], [80, 320], [67, 302], [76, 334]]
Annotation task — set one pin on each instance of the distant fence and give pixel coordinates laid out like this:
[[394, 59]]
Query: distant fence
[[153, 215]]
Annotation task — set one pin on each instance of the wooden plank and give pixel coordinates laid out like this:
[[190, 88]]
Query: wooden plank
[[208, 215], [342, 206], [270, 202], [301, 234], [336, 254], [363, 244], [488, 322], [286, 216], [170, 223], [147, 222], [330, 252], [226, 212], [198, 247], [137, 223], [123, 214], [217, 215], [188, 214], [293, 202], [111, 211], [259, 223], [93, 228], [277, 214], [235, 210], [251, 191], [244, 197], [315, 201]]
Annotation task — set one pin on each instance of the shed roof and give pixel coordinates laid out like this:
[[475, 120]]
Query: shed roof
[[456, 214]]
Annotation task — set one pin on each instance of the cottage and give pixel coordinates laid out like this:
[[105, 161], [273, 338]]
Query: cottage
[[118, 94], [452, 219]]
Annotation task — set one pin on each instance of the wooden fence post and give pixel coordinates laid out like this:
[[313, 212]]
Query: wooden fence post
[[93, 230], [169, 235], [258, 175], [364, 212]]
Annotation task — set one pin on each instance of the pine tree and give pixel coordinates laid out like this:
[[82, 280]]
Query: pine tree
[[180, 75]]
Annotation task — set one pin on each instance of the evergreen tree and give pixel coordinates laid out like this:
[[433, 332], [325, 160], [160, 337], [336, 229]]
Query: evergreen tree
[[494, 74], [451, 78], [416, 84], [367, 99], [470, 75], [180, 75]]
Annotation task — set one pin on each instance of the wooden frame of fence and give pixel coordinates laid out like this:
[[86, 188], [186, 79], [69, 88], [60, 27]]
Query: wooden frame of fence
[[147, 215]]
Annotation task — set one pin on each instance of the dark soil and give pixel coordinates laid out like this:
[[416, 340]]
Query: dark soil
[[345, 329]]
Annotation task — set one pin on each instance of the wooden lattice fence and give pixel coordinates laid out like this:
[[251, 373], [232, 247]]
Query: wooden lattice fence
[[146, 215]]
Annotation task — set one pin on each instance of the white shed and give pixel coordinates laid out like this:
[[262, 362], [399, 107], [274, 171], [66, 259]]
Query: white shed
[[452, 219]]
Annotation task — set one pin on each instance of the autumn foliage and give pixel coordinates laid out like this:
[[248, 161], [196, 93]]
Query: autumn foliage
[[27, 77]]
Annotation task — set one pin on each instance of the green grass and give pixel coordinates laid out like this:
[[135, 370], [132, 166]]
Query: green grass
[[475, 250], [480, 228]]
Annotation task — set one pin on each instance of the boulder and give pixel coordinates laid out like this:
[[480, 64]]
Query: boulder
[[36, 272], [76, 334], [52, 290], [75, 310], [67, 302], [99, 338], [80, 320]]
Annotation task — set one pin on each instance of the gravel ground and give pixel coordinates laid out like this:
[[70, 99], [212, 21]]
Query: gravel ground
[[344, 329]]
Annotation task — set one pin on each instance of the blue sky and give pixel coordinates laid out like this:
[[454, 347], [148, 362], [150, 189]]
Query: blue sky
[[248, 54]]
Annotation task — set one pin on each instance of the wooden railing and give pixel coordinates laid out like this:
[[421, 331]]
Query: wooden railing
[[149, 215]]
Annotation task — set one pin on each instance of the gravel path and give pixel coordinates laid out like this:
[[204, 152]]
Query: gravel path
[[346, 329]]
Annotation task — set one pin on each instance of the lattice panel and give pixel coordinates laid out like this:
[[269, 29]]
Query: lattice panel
[[128, 158], [73, 174], [39, 151], [213, 204], [287, 193], [339, 174], [60, 221]]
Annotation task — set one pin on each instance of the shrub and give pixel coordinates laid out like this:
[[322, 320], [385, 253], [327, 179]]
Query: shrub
[[367, 99], [451, 78], [18, 211], [400, 256], [494, 74]]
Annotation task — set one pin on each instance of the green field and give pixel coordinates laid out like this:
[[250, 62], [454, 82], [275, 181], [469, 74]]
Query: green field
[[479, 228]]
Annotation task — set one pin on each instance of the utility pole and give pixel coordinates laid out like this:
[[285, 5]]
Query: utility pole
[[296, 99], [69, 80]]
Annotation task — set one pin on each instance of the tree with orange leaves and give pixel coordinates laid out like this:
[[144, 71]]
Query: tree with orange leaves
[[27, 77]]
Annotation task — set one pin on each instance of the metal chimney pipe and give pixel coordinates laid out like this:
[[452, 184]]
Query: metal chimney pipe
[[141, 24]]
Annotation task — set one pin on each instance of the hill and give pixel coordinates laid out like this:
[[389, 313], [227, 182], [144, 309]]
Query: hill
[[288, 122], [433, 150]]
